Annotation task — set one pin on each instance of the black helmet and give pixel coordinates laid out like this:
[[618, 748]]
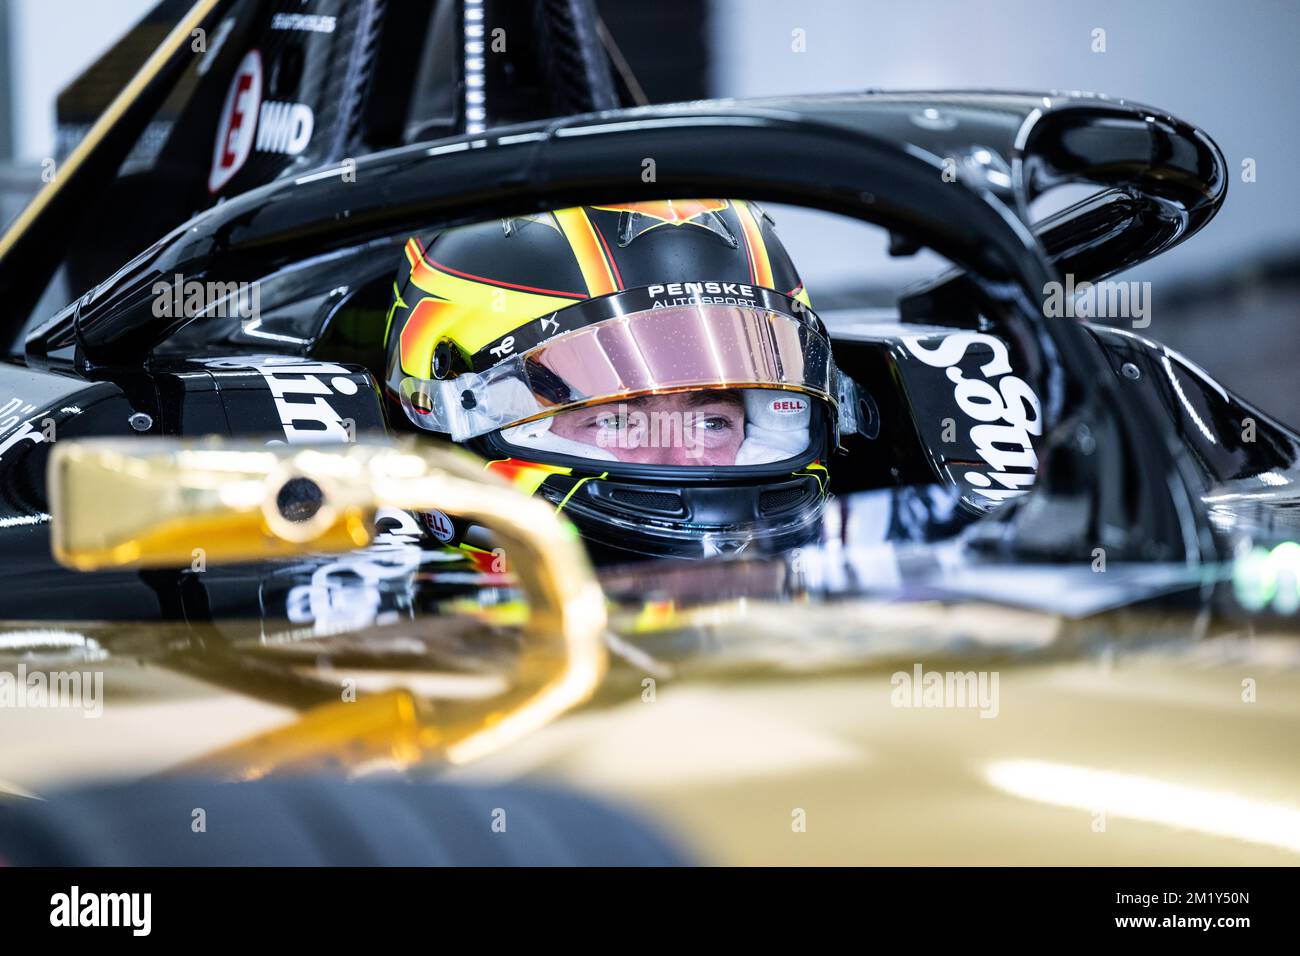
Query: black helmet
[[653, 368]]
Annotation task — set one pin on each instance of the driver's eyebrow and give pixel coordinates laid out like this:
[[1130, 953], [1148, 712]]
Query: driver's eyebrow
[[727, 397]]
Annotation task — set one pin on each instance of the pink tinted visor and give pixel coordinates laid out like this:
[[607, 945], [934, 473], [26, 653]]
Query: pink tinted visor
[[654, 351]]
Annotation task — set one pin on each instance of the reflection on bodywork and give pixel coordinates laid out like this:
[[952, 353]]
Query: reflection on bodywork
[[1150, 799]]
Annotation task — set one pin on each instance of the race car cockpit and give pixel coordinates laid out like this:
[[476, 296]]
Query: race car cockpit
[[409, 310]]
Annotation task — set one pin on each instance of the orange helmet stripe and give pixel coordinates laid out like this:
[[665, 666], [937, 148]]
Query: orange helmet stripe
[[425, 274], [421, 333], [527, 476], [760, 267], [468, 311], [598, 270]]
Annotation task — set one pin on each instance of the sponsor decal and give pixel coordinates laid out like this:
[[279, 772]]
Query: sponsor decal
[[302, 391], [285, 128], [359, 589], [238, 120], [12, 412], [20, 422], [716, 293], [1003, 406], [304, 22], [504, 347], [1267, 577], [788, 406], [439, 525]]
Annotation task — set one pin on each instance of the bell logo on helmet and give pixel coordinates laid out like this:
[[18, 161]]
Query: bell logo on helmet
[[788, 406]]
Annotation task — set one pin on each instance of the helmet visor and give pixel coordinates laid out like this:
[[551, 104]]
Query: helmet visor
[[679, 348]]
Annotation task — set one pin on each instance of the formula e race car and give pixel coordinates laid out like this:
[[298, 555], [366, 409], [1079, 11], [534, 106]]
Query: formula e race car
[[230, 507]]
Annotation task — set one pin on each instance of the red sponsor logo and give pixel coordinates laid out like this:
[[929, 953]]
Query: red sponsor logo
[[238, 122], [789, 406]]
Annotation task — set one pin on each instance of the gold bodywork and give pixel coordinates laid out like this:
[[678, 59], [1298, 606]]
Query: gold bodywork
[[756, 731], [163, 504]]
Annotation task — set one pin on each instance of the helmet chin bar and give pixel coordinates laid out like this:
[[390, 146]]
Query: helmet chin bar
[[694, 519]]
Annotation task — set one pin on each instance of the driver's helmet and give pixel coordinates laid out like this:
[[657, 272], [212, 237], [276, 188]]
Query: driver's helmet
[[651, 368]]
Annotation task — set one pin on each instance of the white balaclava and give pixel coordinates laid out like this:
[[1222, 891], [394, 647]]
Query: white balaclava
[[537, 434], [776, 425]]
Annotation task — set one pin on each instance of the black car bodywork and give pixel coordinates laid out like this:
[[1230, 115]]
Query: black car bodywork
[[1134, 443]]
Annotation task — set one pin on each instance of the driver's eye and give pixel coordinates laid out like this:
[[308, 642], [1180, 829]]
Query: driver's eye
[[715, 423], [609, 422]]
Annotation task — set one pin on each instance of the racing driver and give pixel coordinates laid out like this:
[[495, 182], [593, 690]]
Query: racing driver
[[654, 369]]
